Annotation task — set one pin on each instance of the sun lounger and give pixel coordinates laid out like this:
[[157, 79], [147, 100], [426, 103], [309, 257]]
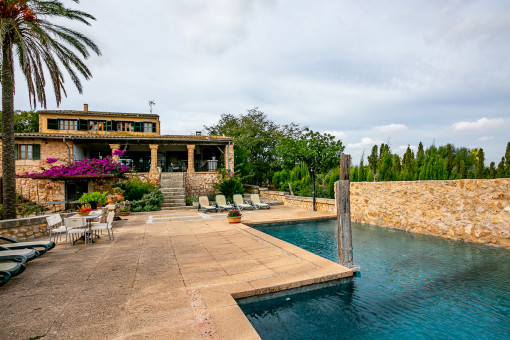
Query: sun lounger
[[10, 269], [204, 205], [240, 204], [255, 201], [23, 255], [222, 203], [41, 246]]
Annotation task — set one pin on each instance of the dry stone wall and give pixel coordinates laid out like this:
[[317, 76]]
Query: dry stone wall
[[201, 183], [475, 211]]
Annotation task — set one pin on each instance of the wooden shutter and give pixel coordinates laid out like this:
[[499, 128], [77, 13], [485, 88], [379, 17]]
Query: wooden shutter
[[154, 127], [138, 126], [16, 146], [109, 125], [36, 151], [52, 124], [83, 124]]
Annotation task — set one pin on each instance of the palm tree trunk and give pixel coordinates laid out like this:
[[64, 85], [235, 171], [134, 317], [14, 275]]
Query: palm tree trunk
[[8, 162]]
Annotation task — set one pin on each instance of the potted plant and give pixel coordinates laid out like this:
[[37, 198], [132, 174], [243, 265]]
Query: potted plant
[[94, 198], [124, 211], [118, 194], [112, 199], [234, 216], [85, 209]]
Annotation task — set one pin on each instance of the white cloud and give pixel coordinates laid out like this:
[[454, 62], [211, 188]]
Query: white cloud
[[403, 148], [365, 142], [390, 128], [338, 134], [482, 124], [486, 138]]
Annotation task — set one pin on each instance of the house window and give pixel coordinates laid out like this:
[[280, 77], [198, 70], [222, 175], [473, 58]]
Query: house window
[[27, 151], [147, 127], [97, 125], [65, 124], [124, 126]]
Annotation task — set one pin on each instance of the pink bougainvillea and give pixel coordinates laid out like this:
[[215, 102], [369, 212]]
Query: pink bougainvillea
[[51, 160], [118, 153], [97, 167]]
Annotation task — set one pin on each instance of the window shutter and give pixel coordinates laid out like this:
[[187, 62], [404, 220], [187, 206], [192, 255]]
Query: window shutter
[[154, 127], [114, 125], [109, 125], [83, 124], [36, 151], [138, 126], [16, 151], [52, 124]]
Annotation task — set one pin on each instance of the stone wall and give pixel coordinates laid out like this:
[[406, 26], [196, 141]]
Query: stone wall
[[23, 229], [475, 211], [201, 183]]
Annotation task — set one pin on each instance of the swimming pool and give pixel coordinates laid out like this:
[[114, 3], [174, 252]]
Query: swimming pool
[[411, 286]]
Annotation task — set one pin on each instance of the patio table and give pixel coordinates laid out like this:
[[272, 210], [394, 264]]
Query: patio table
[[88, 218]]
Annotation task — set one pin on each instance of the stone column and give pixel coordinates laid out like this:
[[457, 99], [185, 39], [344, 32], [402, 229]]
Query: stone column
[[154, 158], [191, 157], [115, 147], [229, 157]]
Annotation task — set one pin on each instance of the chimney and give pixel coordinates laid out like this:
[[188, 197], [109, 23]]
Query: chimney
[[86, 107]]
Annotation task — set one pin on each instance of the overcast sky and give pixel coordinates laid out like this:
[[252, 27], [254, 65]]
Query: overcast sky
[[366, 71]]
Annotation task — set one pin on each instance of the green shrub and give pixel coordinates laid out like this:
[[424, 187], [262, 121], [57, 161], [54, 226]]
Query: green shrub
[[149, 202], [29, 208], [1, 212], [190, 200], [97, 197], [135, 189], [230, 187]]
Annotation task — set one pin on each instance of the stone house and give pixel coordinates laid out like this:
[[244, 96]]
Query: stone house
[[71, 136]]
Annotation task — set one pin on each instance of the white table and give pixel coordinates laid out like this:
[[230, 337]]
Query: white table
[[88, 218]]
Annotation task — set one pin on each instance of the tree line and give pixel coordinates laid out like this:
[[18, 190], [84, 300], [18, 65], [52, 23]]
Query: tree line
[[445, 162]]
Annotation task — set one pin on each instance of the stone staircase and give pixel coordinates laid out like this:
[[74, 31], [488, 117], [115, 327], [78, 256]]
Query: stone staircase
[[172, 188]]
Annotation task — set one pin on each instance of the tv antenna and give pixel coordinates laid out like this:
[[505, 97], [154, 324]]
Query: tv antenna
[[151, 104]]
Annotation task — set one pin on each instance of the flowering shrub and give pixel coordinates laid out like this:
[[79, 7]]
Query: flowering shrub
[[234, 213], [105, 166], [118, 153], [51, 160]]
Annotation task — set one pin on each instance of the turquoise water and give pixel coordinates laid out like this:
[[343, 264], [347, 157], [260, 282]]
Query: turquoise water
[[411, 287]]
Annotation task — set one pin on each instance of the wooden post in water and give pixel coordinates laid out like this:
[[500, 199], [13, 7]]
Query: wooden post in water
[[343, 212]]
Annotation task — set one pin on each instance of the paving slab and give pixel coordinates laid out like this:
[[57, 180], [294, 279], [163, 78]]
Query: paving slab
[[165, 275]]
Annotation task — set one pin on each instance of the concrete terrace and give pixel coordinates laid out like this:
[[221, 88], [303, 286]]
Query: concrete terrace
[[168, 275]]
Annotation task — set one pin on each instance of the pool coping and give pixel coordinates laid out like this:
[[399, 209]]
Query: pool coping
[[221, 300]]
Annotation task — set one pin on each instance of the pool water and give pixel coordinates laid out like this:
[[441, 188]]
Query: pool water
[[411, 286]]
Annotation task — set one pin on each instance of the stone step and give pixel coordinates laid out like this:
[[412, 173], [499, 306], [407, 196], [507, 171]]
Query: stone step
[[172, 184], [174, 195], [173, 204], [174, 200], [177, 190]]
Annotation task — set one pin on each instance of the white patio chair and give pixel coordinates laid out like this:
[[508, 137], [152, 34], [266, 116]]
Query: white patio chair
[[56, 226], [76, 225], [240, 204], [105, 226]]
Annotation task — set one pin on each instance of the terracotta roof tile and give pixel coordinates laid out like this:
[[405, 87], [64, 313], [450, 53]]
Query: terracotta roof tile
[[99, 113]]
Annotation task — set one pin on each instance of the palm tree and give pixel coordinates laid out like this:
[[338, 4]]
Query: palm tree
[[41, 47]]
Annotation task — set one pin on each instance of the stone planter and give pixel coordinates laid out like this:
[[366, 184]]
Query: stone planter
[[236, 219]]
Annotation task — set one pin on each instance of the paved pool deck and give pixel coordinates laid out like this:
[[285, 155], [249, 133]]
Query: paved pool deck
[[167, 275]]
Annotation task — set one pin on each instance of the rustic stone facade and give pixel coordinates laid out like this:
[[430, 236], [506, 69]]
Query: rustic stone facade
[[475, 211], [201, 183], [229, 157]]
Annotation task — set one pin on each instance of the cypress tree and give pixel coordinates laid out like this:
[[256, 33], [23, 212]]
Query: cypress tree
[[462, 170], [361, 172], [480, 167], [500, 173], [507, 160], [373, 159], [492, 170]]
